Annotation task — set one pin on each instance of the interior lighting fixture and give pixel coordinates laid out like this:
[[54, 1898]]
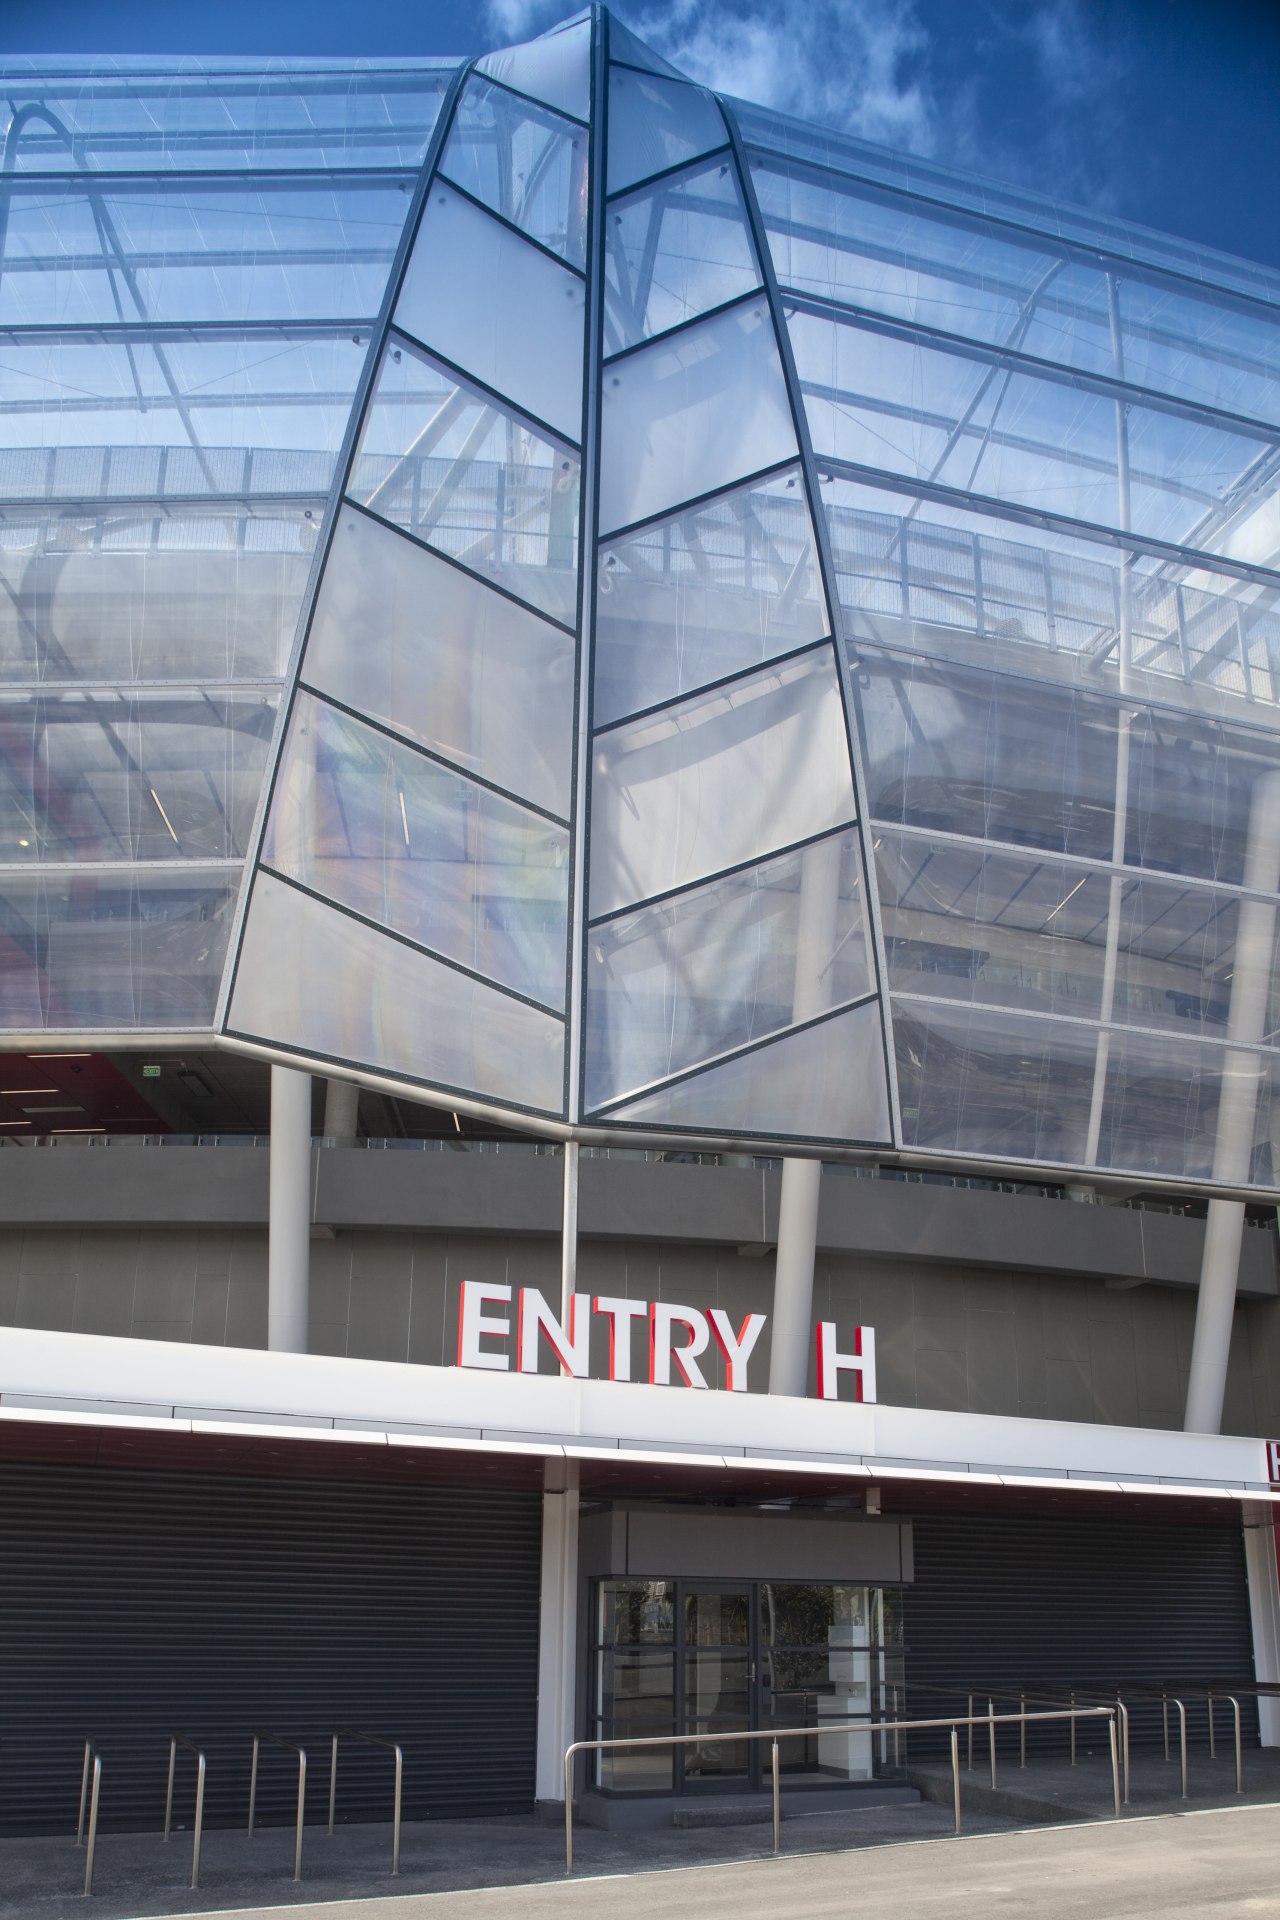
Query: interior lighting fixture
[[404, 823], [59, 1056], [13, 1093], [163, 815], [1071, 896]]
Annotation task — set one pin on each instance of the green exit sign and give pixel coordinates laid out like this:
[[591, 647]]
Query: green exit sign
[[151, 1073]]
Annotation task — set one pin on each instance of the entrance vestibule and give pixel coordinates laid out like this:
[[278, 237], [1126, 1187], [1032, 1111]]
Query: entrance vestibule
[[715, 1658]]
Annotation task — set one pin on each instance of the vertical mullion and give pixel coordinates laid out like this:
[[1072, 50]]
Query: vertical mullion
[[827, 570], [588, 530]]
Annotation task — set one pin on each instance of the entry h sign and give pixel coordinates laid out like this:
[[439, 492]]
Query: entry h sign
[[677, 1338]]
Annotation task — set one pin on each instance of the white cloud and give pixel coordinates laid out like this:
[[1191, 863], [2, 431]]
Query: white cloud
[[510, 21], [855, 64]]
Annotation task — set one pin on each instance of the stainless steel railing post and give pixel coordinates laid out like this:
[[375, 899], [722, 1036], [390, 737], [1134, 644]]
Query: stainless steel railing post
[[177, 1740], [92, 1843], [1022, 1731], [1235, 1709], [168, 1798], [991, 1738], [1164, 1715], [84, 1790], [1182, 1744], [1115, 1765], [1073, 1727], [392, 1747], [1124, 1743], [1213, 1746], [955, 1775], [568, 1811], [290, 1746], [777, 1801], [970, 1762]]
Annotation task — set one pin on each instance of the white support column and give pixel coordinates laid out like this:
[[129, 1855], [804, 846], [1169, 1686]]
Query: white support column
[[802, 1179], [1264, 1608], [289, 1217], [341, 1110], [1237, 1110], [569, 1232], [557, 1639]]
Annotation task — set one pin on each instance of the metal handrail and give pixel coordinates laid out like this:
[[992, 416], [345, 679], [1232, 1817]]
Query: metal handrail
[[177, 1740], [291, 1746], [370, 1740], [92, 1770], [990, 1720]]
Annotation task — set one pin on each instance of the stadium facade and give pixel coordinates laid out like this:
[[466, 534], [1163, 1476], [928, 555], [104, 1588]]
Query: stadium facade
[[718, 688]]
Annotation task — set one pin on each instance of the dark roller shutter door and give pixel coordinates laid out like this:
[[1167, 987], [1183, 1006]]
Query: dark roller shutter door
[[1052, 1603], [132, 1603]]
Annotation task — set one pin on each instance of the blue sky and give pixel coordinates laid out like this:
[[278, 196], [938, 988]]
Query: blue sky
[[1162, 111]]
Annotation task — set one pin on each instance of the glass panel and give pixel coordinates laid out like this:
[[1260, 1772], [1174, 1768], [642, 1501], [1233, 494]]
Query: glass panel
[[656, 123], [251, 250], [920, 574], [1191, 790], [109, 418], [919, 263], [378, 827], [964, 923], [673, 250], [151, 593], [973, 1081], [636, 1696], [717, 1699], [135, 113], [692, 414], [717, 1619], [313, 978], [555, 68], [822, 1666], [420, 645], [826, 1082], [729, 963], [706, 594], [111, 776], [916, 410], [623, 45], [988, 755], [635, 1613], [718, 780], [491, 303], [526, 163], [446, 463], [1161, 1114], [119, 948]]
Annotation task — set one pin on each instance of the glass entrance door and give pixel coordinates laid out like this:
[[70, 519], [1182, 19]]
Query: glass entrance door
[[715, 1659], [719, 1657]]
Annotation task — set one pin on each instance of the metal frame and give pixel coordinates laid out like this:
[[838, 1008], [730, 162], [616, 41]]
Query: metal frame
[[991, 1720]]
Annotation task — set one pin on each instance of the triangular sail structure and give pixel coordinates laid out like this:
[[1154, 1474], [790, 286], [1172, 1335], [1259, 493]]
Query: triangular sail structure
[[564, 820]]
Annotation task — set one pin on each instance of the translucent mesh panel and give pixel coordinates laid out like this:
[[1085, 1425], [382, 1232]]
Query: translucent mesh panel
[[312, 978], [973, 1081], [421, 646], [708, 593], [673, 250], [966, 923], [656, 123], [913, 409], [826, 1082], [942, 268], [624, 46], [1161, 1111], [718, 780], [507, 313], [379, 828], [244, 250], [152, 593], [119, 948], [146, 115], [444, 461], [555, 69], [527, 163], [100, 775], [86, 419], [692, 414], [725, 964]]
